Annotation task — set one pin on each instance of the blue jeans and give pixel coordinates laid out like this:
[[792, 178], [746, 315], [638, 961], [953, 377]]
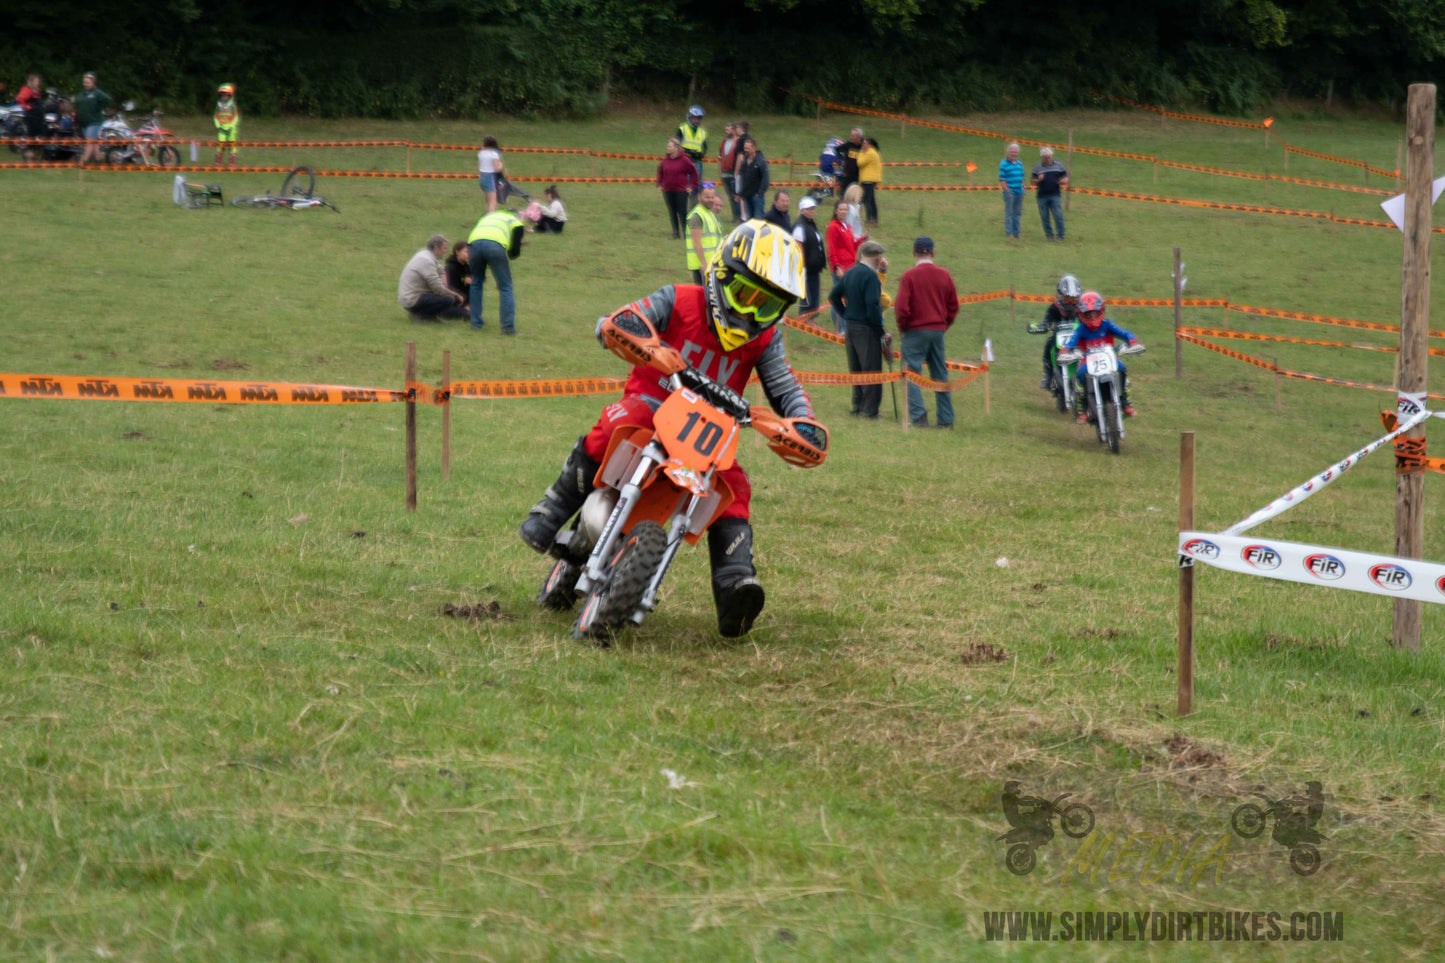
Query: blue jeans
[[920, 347], [755, 205], [729, 182], [1050, 203], [1013, 206], [489, 254]]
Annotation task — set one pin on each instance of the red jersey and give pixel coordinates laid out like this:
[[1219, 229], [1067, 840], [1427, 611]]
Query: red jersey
[[688, 331]]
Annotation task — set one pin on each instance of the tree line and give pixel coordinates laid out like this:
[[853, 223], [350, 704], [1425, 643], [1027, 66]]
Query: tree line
[[449, 58]]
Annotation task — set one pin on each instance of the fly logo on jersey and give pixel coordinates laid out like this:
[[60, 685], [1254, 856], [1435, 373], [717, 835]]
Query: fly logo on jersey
[[717, 367]]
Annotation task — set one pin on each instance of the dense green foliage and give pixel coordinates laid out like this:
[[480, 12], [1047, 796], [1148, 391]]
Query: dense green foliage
[[412, 58]]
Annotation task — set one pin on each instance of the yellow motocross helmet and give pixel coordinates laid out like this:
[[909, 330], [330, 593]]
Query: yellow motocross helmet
[[753, 277]]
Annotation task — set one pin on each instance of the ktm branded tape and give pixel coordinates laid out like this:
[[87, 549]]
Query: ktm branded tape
[[545, 388], [95, 388], [1319, 565], [424, 394], [805, 324]]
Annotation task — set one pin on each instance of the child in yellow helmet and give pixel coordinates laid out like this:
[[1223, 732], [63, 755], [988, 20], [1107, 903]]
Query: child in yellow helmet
[[227, 118]]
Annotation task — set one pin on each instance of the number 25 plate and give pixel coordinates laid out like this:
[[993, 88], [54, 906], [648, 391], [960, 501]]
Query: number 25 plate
[[1102, 363], [696, 433]]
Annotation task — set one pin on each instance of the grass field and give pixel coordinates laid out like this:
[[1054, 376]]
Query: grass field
[[236, 725]]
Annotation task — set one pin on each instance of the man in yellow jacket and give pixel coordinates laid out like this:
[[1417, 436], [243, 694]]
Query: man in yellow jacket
[[494, 243], [227, 119]]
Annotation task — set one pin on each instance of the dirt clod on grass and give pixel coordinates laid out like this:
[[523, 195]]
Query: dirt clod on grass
[[135, 436], [228, 364], [490, 612], [1185, 753], [982, 653]]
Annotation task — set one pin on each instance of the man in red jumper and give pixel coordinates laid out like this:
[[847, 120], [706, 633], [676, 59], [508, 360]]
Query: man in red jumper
[[925, 308]]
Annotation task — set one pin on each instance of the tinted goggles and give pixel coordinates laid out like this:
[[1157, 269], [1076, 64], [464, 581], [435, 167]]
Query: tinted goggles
[[746, 298]]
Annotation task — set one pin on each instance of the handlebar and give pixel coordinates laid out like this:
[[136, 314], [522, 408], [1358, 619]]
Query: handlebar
[[1135, 348]]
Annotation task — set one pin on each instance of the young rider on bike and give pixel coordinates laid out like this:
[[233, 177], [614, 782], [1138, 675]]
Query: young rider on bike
[[1062, 314], [724, 328], [1095, 329]]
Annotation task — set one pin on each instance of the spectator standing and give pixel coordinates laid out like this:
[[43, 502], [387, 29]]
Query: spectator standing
[[91, 105], [1048, 177], [815, 253], [554, 215], [1011, 185], [727, 160], [422, 291], [842, 250], [854, 196], [870, 173], [857, 296], [459, 273], [676, 178], [703, 231], [227, 118], [494, 243], [693, 137], [778, 213], [31, 101], [925, 308], [752, 179], [489, 168], [848, 153]]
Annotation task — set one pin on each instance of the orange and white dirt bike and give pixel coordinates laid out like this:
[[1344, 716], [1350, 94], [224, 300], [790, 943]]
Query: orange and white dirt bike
[[659, 487]]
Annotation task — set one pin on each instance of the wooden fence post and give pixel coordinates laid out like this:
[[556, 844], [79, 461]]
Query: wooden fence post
[[1414, 335], [410, 430], [447, 416], [1178, 316], [1185, 670]]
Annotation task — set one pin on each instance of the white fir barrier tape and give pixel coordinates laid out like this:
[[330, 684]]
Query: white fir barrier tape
[[1298, 494], [1406, 578]]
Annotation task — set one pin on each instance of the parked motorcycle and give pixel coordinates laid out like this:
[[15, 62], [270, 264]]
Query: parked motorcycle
[[1290, 830], [659, 487], [56, 128], [128, 145], [1075, 819], [1103, 389]]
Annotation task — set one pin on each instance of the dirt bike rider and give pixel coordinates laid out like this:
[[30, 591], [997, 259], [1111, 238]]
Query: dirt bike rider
[[1295, 817], [1062, 314], [1030, 816], [1094, 329], [724, 328]]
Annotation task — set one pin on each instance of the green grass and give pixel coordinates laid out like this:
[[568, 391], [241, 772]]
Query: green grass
[[235, 728]]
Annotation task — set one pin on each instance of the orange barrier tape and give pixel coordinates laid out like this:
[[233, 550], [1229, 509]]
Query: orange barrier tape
[[543, 388], [1215, 205], [1252, 336], [1300, 375], [1134, 302], [1320, 319], [1331, 157], [424, 394], [805, 325], [981, 298], [1195, 117], [1224, 172], [96, 388], [476, 147]]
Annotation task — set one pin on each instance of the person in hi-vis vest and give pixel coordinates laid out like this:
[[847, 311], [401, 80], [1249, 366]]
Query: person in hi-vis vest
[[227, 118], [693, 138], [494, 243], [703, 231]]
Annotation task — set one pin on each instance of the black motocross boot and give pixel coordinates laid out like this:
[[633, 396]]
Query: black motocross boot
[[736, 591], [561, 500]]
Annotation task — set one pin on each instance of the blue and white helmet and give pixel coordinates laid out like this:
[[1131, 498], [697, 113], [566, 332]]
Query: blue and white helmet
[[694, 111]]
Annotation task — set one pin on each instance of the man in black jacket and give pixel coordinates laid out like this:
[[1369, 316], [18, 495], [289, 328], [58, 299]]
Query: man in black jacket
[[815, 253], [778, 213], [848, 152], [752, 179], [857, 296]]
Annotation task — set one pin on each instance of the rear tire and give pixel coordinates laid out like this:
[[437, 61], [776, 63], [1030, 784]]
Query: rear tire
[[254, 202], [559, 591], [612, 601], [301, 182]]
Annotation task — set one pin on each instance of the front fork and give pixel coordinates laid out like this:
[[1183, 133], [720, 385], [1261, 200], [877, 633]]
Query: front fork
[[631, 491]]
